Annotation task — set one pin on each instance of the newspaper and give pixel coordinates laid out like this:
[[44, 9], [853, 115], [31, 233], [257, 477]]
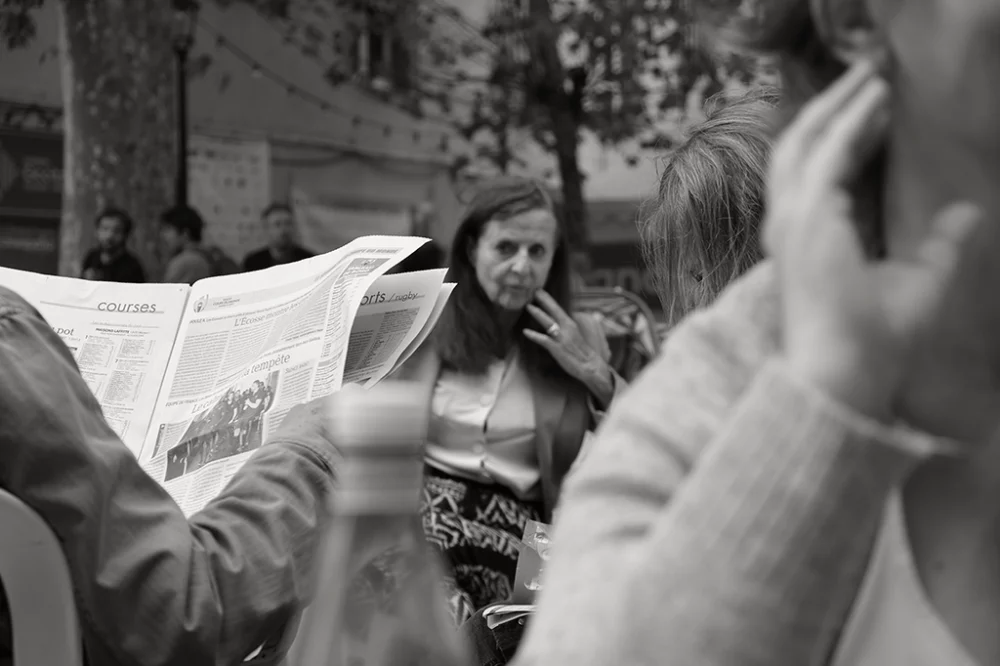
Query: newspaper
[[392, 314], [205, 373], [442, 300], [121, 336]]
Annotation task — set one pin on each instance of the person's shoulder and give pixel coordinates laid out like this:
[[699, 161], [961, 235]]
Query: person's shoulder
[[197, 260], [256, 255], [257, 259], [12, 303], [706, 364], [27, 334], [135, 266], [92, 258], [188, 266], [742, 325]]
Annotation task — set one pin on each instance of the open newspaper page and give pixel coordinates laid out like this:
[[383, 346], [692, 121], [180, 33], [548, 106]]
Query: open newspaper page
[[121, 336], [392, 314], [249, 348], [442, 299]]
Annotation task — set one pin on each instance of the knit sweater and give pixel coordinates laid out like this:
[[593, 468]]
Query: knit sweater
[[724, 514]]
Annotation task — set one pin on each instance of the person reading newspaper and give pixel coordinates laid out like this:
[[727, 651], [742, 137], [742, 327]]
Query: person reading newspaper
[[192, 569]]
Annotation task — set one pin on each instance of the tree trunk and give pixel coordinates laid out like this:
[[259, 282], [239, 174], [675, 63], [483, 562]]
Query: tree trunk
[[551, 80], [566, 135], [120, 118]]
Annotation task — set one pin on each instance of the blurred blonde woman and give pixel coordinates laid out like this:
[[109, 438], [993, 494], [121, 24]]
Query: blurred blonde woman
[[702, 230], [810, 472]]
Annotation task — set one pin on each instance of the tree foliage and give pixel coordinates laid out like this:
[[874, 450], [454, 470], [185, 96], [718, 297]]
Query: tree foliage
[[17, 22], [613, 68], [630, 65]]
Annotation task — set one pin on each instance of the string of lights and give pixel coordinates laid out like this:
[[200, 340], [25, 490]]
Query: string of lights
[[257, 69], [455, 14]]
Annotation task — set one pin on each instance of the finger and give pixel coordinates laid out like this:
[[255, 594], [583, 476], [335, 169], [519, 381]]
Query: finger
[[540, 339], [553, 308], [815, 117], [853, 135], [951, 242], [543, 319], [790, 232]]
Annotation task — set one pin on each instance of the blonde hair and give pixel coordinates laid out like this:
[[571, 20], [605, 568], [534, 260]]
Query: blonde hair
[[710, 203]]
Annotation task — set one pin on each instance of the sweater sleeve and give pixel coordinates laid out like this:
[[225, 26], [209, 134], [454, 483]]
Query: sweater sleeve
[[723, 515]]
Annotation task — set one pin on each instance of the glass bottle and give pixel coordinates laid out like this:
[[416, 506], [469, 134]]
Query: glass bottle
[[380, 599]]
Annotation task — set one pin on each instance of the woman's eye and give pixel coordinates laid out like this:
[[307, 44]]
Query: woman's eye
[[505, 248], [537, 251]]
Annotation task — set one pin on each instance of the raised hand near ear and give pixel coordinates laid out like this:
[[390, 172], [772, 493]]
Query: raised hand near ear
[[852, 326]]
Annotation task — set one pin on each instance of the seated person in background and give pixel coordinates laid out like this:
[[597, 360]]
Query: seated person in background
[[513, 384], [181, 230], [111, 260], [699, 233], [279, 224], [810, 472]]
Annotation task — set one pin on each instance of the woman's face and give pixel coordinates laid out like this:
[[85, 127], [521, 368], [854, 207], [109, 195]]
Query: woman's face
[[513, 257], [947, 64]]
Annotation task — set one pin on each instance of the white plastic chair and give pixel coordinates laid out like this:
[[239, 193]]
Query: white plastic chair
[[39, 591]]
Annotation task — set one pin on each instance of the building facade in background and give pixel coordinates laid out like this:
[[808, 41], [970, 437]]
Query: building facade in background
[[267, 123]]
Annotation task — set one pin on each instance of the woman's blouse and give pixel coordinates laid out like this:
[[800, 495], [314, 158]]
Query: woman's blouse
[[483, 427], [893, 623]]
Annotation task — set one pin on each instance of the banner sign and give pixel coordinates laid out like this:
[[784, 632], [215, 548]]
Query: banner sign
[[230, 185], [31, 183]]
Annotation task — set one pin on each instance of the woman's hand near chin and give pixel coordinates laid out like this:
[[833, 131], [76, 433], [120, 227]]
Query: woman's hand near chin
[[568, 344], [855, 327]]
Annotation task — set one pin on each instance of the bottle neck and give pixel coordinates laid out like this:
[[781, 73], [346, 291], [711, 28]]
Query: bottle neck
[[372, 485]]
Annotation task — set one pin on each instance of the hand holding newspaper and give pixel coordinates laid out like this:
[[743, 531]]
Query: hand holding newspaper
[[194, 379]]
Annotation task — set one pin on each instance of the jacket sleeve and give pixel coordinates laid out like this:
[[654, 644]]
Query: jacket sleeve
[[152, 586], [723, 515]]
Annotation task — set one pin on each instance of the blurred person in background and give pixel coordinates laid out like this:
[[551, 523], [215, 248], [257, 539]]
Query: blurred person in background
[[111, 260], [181, 230], [514, 382], [698, 234], [810, 473], [279, 224], [702, 231]]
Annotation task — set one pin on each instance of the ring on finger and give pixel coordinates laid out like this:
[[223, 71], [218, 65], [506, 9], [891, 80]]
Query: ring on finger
[[553, 330]]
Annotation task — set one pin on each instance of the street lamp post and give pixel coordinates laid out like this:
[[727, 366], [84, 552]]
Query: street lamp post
[[185, 22]]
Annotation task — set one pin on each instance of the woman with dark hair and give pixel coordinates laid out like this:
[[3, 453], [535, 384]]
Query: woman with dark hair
[[810, 473], [514, 383]]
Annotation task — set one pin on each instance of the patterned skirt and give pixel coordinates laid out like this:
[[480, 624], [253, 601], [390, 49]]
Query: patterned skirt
[[477, 528]]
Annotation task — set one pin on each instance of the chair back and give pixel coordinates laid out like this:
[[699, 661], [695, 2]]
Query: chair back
[[629, 324], [39, 592]]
